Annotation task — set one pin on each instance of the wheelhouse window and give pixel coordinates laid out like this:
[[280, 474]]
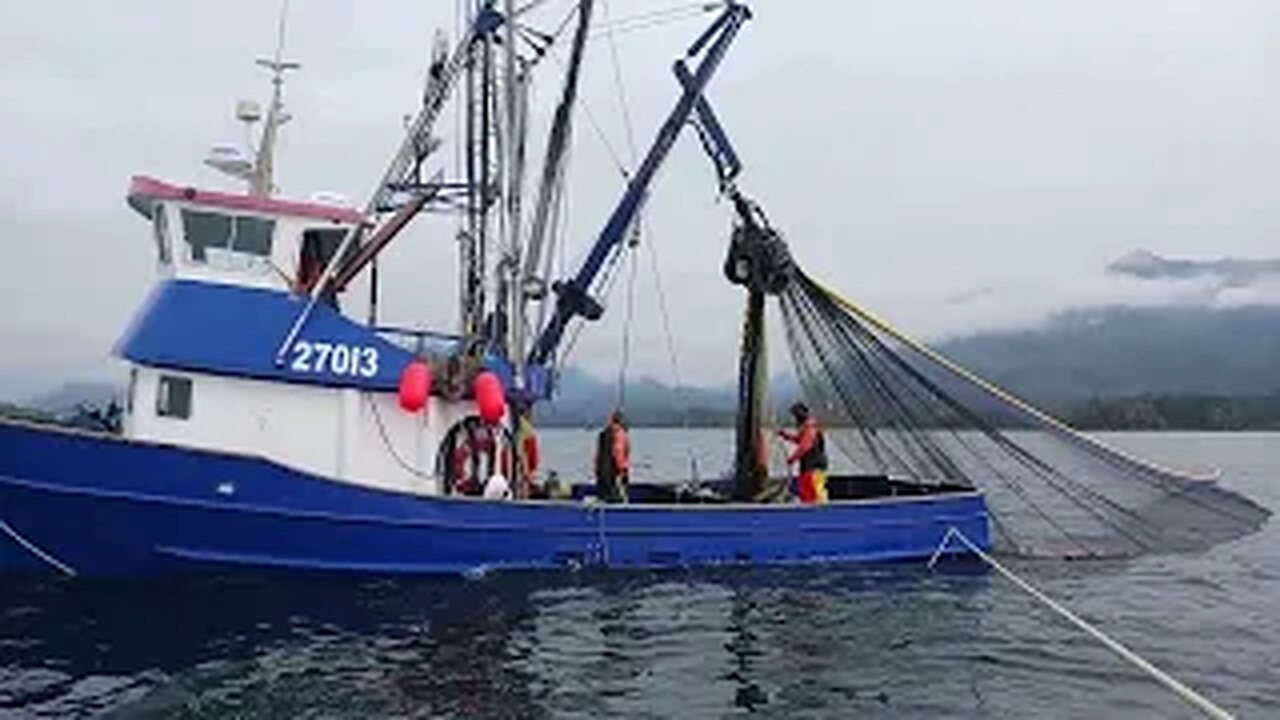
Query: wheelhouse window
[[173, 397], [227, 241]]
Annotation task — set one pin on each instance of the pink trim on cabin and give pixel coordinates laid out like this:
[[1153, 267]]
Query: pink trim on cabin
[[142, 187]]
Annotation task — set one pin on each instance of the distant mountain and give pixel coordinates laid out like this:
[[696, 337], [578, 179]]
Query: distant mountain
[[1229, 272], [1119, 351], [585, 400], [1118, 354]]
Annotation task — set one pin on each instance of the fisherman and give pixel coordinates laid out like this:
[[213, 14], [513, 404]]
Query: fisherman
[[613, 460], [526, 448], [810, 452]]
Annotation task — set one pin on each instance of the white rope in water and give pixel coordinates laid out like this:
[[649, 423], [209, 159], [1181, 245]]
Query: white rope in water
[[1197, 700], [34, 549]]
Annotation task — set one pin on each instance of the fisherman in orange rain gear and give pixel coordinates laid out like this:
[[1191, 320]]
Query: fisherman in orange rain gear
[[613, 460], [525, 449], [810, 452]]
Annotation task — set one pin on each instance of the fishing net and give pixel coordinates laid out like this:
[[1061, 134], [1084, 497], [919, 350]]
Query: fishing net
[[894, 407]]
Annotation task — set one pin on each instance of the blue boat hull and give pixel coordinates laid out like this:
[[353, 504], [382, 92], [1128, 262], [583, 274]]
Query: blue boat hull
[[100, 506]]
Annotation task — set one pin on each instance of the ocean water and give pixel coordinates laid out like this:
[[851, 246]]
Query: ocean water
[[879, 641]]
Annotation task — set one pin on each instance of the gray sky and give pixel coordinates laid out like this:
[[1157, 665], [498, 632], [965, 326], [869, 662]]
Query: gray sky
[[953, 165]]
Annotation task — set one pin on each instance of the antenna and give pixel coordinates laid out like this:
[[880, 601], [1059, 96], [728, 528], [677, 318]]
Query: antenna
[[238, 163], [264, 163]]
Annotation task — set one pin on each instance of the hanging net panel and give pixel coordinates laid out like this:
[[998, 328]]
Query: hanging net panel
[[894, 407]]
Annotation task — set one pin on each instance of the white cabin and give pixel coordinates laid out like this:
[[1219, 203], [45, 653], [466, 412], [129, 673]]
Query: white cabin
[[204, 371]]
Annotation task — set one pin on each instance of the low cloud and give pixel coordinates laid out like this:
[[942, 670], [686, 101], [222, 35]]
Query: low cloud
[[1227, 273]]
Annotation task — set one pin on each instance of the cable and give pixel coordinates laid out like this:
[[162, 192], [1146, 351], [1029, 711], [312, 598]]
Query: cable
[[1200, 702], [391, 450], [618, 83], [595, 125], [626, 328], [668, 335]]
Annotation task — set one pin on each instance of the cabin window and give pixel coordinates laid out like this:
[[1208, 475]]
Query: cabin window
[[217, 239], [253, 235], [323, 243], [160, 228], [173, 397], [319, 245]]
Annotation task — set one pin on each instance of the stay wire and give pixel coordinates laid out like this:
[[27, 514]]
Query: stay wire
[[668, 335], [632, 252], [633, 242], [619, 86]]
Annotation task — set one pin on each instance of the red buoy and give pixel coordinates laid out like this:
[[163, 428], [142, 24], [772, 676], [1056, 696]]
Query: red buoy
[[490, 400], [415, 386]]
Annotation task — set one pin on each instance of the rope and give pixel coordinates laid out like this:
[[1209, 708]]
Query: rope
[[669, 338], [391, 450], [626, 330], [34, 549], [655, 18], [585, 106], [604, 538], [1198, 701], [618, 84]]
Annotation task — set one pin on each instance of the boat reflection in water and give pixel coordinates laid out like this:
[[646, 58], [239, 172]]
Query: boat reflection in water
[[530, 645]]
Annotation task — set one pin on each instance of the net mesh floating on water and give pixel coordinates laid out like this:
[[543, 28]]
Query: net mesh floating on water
[[895, 407]]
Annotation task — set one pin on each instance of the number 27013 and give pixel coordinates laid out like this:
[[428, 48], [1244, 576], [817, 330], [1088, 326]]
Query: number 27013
[[335, 358]]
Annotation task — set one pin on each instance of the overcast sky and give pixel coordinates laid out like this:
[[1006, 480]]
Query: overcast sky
[[953, 165]]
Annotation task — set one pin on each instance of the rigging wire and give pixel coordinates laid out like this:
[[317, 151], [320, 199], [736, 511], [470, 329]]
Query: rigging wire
[[598, 130], [653, 18], [634, 241], [530, 5], [611, 29], [632, 252], [619, 86], [668, 335]]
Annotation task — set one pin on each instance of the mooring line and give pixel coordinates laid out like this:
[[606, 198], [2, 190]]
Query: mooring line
[[34, 549], [1197, 700]]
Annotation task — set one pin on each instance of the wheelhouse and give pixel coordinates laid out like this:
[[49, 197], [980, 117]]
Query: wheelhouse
[[240, 239]]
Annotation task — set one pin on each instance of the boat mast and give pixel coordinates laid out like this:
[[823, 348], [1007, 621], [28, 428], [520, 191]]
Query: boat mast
[[509, 268], [260, 182], [470, 295], [483, 183], [532, 284]]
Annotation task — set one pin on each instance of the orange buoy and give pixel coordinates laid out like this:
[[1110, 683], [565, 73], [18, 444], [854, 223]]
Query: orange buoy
[[415, 386], [490, 400]]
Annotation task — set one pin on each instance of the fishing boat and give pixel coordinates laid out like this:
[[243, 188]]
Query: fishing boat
[[271, 422]]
